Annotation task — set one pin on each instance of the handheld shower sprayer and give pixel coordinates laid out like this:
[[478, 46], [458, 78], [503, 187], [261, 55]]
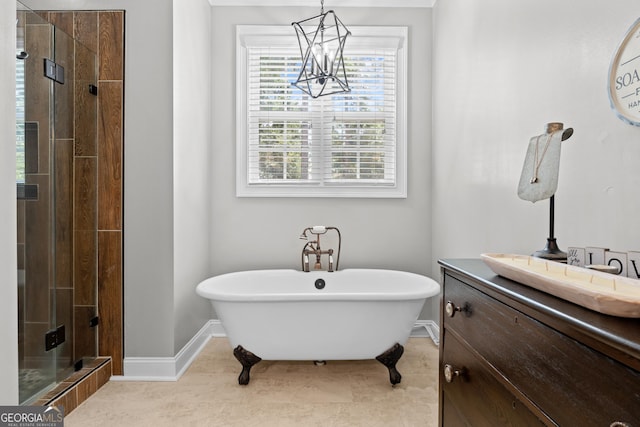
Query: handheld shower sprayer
[[319, 229], [316, 229]]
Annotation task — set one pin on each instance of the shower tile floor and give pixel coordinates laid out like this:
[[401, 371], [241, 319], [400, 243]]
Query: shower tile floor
[[340, 393], [31, 382]]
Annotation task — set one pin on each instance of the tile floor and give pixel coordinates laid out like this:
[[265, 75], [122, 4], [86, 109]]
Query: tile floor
[[340, 393]]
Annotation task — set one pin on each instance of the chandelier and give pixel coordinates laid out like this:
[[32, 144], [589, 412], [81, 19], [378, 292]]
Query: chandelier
[[322, 71]]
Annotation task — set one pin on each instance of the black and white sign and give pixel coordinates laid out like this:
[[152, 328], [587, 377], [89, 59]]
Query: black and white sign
[[624, 77]]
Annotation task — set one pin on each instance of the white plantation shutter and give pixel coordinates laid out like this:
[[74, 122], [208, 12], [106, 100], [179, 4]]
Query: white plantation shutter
[[343, 145], [359, 127], [281, 146]]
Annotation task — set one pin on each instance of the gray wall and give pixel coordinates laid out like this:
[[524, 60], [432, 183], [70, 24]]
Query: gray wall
[[502, 70], [253, 233], [192, 151], [148, 178]]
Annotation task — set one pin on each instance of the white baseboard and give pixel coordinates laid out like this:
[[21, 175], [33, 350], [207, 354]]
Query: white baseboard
[[169, 368], [217, 331], [172, 368], [426, 329]]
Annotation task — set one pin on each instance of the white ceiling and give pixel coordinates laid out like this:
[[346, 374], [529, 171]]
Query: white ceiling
[[328, 3]]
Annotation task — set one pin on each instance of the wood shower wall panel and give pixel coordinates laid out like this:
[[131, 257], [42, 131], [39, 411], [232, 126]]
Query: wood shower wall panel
[[85, 199], [110, 339], [62, 20], [86, 104], [97, 177], [64, 316], [21, 233], [84, 337], [98, 213], [35, 356], [110, 185], [85, 268], [64, 213], [111, 45], [64, 92], [86, 29], [31, 147], [37, 251], [110, 156], [37, 109], [85, 220]]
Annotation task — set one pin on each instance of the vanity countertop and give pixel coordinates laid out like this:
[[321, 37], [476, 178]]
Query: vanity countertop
[[617, 337]]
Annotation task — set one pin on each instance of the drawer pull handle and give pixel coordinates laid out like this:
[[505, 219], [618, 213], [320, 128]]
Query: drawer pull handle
[[450, 373], [451, 309]]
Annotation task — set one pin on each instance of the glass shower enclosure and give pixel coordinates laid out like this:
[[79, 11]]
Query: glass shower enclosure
[[56, 203]]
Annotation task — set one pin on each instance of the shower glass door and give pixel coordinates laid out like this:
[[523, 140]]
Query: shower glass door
[[57, 254]]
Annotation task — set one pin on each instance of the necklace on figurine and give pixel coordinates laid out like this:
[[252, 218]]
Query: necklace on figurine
[[537, 162]]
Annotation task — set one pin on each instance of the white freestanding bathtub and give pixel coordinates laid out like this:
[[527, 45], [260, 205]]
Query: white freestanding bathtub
[[292, 315]]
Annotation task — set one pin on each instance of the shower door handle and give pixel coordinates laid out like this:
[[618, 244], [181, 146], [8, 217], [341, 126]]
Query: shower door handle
[[54, 338]]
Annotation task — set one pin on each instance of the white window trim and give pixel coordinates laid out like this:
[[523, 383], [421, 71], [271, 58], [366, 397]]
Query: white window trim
[[251, 35]]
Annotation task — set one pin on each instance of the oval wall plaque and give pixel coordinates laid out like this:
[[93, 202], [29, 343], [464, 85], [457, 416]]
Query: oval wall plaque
[[624, 77]]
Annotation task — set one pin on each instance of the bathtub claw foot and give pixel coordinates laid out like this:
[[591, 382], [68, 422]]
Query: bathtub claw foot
[[389, 359], [247, 359]]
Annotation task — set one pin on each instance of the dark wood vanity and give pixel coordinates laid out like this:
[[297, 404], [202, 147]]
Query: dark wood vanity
[[514, 356]]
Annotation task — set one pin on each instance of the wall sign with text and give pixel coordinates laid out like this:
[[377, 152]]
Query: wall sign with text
[[624, 77]]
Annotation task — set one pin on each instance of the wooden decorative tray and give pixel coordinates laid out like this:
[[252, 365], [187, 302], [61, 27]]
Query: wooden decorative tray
[[603, 292]]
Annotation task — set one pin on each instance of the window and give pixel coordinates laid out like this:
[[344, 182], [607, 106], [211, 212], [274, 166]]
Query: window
[[342, 145]]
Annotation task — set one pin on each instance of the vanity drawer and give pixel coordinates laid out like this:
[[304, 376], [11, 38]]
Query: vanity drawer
[[564, 378], [485, 399]]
